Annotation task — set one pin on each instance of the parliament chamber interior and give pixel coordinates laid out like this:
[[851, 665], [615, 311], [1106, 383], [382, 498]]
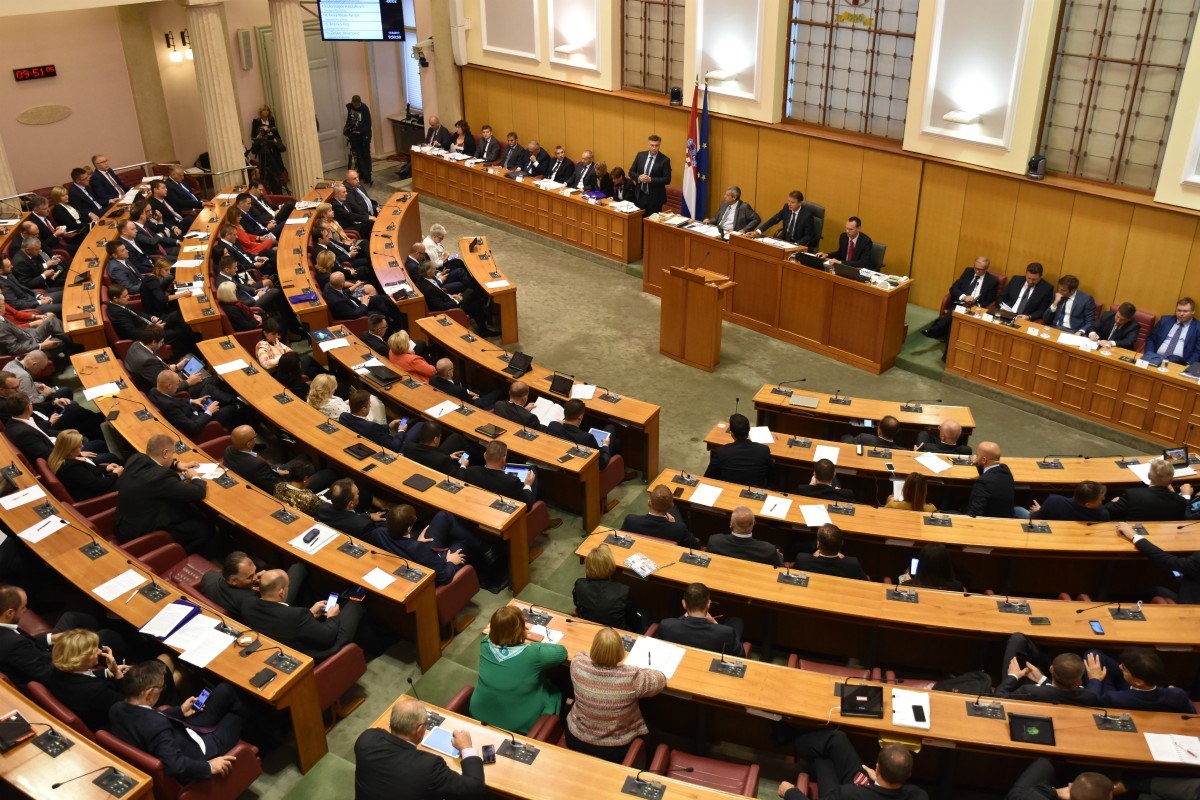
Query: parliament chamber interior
[[571, 398]]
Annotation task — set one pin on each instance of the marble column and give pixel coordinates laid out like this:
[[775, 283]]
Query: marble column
[[149, 100], [206, 28], [8, 186], [297, 115]]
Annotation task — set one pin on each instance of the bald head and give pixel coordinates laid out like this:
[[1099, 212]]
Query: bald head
[[242, 437], [986, 454], [407, 719], [949, 431], [742, 520], [166, 382], [445, 368], [273, 585], [35, 360], [418, 250], [518, 393], [337, 279]]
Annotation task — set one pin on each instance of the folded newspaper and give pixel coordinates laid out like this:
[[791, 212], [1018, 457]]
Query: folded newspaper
[[642, 565]]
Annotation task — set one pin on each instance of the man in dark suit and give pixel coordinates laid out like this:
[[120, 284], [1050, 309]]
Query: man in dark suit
[[837, 765], [698, 628], [388, 765], [157, 491], [740, 541], [829, 558], [470, 300], [1070, 310], [585, 179], [34, 268], [797, 225], [32, 432], [560, 168], [357, 131], [318, 632], [161, 205], [571, 429], [137, 257], [854, 246], [340, 512], [120, 271], [357, 198], [661, 520], [1157, 502], [1116, 328], [1084, 506], [346, 216], [1038, 780], [741, 461], [734, 214], [24, 298], [823, 484], [437, 135], [431, 449], [191, 743], [884, 435], [50, 234], [488, 148], [946, 441], [1175, 338], [261, 208], [390, 436], [376, 334], [129, 324], [517, 408], [237, 581], [242, 459], [993, 491], [106, 186], [651, 172], [1026, 679], [80, 196], [344, 305], [444, 381], [1188, 567], [975, 287], [227, 246], [536, 161], [188, 415], [445, 545], [180, 196], [1028, 298], [492, 477], [515, 155], [1136, 681]]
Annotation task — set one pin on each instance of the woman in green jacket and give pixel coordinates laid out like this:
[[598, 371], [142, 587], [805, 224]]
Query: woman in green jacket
[[511, 692]]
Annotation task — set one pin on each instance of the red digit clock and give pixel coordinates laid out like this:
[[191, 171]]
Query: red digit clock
[[33, 73]]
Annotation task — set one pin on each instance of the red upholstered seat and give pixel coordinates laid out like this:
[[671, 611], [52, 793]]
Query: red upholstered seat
[[246, 769], [104, 524], [454, 597], [724, 776], [674, 200], [795, 662], [1145, 321], [456, 314]]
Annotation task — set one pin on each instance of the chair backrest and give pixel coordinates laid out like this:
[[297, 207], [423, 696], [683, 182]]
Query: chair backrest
[[832, 669], [1001, 280], [105, 523], [216, 447], [165, 788], [51, 482], [818, 212], [1145, 321], [43, 697], [878, 250], [674, 200]]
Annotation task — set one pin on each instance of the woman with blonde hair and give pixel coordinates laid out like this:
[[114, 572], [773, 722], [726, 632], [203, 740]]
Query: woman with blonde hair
[[65, 216], [82, 477], [85, 676], [241, 316], [321, 397], [402, 354], [511, 691], [606, 717], [600, 599]]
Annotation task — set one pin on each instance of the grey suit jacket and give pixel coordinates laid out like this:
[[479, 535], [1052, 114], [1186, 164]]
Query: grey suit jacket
[[15, 340], [745, 219]]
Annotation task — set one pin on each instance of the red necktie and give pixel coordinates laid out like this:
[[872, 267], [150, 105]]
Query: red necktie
[[849, 249]]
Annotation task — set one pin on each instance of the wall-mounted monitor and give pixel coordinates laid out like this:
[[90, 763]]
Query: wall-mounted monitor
[[361, 20]]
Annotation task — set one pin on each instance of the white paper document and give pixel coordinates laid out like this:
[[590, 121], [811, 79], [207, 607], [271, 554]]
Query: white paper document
[[655, 654], [126, 582], [1174, 748], [898, 491], [776, 507], [553, 637], [193, 632], [103, 390], [826, 451], [910, 709], [295, 221], [582, 391], [1142, 471], [1184, 472], [209, 645], [1074, 340], [231, 366], [761, 434], [933, 463], [334, 344], [815, 516], [188, 263], [22, 497], [165, 621], [442, 409], [195, 248], [196, 235], [706, 494], [496, 284], [324, 536], [209, 470], [548, 411], [379, 579], [35, 533], [361, 369]]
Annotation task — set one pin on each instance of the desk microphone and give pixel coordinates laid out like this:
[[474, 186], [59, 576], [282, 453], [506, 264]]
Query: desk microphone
[[516, 745], [153, 582], [77, 777], [781, 384], [1116, 603], [736, 401], [93, 550], [1045, 459], [118, 399], [1187, 525]]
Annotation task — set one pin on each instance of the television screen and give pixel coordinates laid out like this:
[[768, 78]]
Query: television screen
[[361, 20]]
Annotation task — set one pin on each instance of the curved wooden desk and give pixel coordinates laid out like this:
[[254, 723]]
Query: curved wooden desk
[[847, 618], [250, 509], [829, 420], [81, 292], [574, 483], [200, 311], [1073, 557], [638, 419], [33, 772], [292, 262], [481, 263], [303, 422], [397, 227], [296, 693]]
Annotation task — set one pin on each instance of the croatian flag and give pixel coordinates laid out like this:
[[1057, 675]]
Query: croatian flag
[[695, 175]]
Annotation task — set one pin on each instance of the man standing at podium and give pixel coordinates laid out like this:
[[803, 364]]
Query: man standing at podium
[[651, 172]]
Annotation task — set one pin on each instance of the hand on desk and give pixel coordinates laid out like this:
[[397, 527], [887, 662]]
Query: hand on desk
[[1125, 530], [461, 740]]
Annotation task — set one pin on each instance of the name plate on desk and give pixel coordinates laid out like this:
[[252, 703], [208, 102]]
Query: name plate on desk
[[903, 596]]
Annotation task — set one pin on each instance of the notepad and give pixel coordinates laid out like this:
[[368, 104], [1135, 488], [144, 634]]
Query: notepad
[[165, 622], [583, 391], [1173, 749], [379, 579], [776, 507], [209, 645], [442, 409], [815, 516], [933, 463], [657, 655], [826, 451], [103, 390], [910, 709], [18, 499], [192, 633], [35, 533], [761, 434], [706, 494], [127, 581], [237, 364]]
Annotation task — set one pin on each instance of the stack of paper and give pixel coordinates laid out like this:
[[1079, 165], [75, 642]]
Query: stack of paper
[[35, 533], [815, 516], [776, 507], [655, 654], [706, 494], [165, 622], [548, 411], [187, 263], [582, 391], [625, 207], [334, 344], [379, 579], [22, 497], [933, 463], [103, 390], [127, 581], [231, 366], [910, 709], [761, 434], [553, 637], [826, 451], [496, 284], [442, 409]]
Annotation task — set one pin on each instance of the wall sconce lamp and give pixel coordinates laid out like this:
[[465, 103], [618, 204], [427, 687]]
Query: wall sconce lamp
[[176, 56], [961, 117], [720, 75], [186, 41]]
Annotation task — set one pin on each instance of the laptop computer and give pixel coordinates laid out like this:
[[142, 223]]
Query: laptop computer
[[519, 364], [561, 385], [1031, 729], [851, 273], [193, 366], [382, 376], [1176, 456], [810, 260]]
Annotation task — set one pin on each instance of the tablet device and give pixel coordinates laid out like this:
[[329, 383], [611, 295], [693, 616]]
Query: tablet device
[[191, 366], [1176, 456], [1031, 729], [561, 385], [520, 470], [439, 739], [598, 435]]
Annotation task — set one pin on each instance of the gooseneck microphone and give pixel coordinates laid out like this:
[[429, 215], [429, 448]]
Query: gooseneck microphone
[[77, 777]]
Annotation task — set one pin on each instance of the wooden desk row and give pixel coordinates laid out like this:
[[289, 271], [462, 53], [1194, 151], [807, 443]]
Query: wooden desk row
[[854, 618], [1163, 406], [830, 420], [773, 691], [637, 419], [81, 292], [852, 322], [295, 693], [1073, 557], [327, 440], [574, 483], [251, 510], [590, 226], [292, 262], [200, 312], [34, 772], [481, 263], [397, 227]]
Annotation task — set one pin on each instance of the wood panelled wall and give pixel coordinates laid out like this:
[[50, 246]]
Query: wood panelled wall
[[935, 218]]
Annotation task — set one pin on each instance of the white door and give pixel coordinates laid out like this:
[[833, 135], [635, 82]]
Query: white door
[[327, 100]]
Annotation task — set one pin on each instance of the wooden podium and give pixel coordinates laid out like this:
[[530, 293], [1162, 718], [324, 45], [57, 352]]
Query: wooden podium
[[693, 304]]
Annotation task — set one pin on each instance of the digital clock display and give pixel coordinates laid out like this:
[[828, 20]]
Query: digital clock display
[[33, 73]]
